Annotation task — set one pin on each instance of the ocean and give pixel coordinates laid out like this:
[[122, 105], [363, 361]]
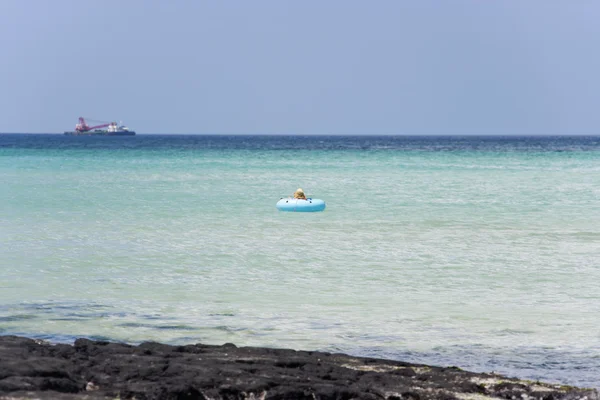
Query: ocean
[[476, 252]]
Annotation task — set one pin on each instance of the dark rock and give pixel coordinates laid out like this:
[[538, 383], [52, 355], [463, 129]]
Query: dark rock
[[105, 370]]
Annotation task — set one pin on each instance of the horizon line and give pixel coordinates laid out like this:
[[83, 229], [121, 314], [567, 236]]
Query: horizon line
[[329, 134]]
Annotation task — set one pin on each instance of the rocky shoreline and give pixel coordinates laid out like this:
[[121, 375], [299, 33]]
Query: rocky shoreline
[[33, 369]]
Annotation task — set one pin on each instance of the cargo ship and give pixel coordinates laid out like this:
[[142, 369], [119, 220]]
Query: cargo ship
[[104, 129]]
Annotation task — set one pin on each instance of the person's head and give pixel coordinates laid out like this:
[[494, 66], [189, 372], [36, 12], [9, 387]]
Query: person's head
[[299, 193]]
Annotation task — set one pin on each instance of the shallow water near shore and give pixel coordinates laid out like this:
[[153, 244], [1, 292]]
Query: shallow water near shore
[[483, 253]]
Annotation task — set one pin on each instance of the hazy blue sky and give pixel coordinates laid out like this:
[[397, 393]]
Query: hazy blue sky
[[302, 67]]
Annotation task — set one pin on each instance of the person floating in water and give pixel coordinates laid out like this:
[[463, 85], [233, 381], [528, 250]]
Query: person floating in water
[[299, 194]]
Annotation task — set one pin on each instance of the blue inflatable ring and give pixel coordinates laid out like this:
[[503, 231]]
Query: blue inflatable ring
[[300, 205]]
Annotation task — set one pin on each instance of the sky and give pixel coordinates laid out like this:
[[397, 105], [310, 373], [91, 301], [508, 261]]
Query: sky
[[302, 67]]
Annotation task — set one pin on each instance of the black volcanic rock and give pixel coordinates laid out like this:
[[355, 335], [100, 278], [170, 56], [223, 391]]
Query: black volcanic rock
[[31, 369]]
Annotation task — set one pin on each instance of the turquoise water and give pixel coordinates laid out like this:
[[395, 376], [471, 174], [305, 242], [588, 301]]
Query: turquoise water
[[480, 253]]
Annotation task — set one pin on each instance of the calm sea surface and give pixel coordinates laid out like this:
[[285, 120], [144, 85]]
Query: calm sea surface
[[478, 252]]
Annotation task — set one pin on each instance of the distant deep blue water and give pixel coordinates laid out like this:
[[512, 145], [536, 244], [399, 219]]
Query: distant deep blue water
[[271, 142], [479, 252]]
